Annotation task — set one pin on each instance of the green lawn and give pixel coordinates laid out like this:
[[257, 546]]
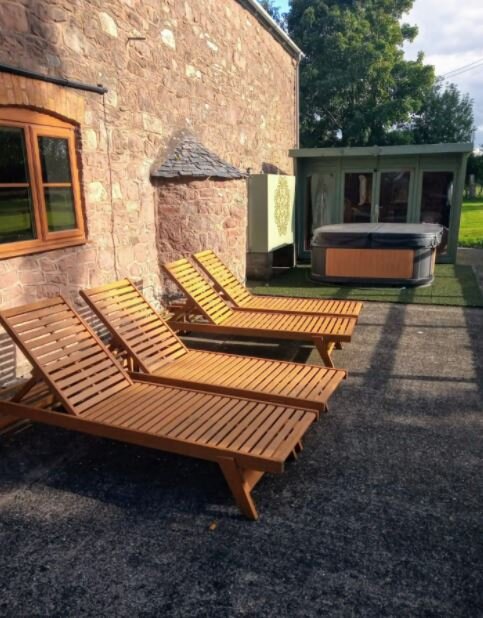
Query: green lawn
[[471, 227], [453, 285], [16, 217]]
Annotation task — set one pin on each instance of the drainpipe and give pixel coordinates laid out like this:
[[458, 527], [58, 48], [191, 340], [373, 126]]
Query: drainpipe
[[297, 103]]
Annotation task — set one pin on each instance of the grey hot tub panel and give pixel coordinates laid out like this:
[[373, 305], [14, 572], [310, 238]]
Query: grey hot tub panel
[[422, 239]]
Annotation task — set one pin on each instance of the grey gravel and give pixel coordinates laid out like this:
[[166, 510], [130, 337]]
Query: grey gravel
[[380, 515]]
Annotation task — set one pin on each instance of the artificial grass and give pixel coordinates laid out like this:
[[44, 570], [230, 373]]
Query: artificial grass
[[471, 226], [453, 285]]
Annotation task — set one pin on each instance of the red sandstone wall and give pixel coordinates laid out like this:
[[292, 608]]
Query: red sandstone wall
[[168, 64], [198, 214]]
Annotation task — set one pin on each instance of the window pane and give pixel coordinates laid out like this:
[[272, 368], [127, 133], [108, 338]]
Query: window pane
[[357, 197], [60, 209], [13, 166], [54, 157], [436, 197], [393, 206], [16, 217]]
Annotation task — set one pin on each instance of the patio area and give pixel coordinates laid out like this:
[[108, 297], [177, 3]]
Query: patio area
[[379, 516]]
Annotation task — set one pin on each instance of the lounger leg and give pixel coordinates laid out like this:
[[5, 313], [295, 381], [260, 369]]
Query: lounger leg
[[252, 477], [338, 345], [324, 350], [239, 487], [298, 448], [31, 382]]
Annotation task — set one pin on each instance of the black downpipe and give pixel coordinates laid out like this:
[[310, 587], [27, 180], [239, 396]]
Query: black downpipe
[[59, 81]]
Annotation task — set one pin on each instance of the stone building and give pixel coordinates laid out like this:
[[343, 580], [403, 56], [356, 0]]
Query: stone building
[[92, 95]]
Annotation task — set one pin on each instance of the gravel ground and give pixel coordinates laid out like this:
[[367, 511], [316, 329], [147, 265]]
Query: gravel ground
[[378, 517]]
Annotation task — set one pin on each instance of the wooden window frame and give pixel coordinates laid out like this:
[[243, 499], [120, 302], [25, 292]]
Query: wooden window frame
[[35, 125]]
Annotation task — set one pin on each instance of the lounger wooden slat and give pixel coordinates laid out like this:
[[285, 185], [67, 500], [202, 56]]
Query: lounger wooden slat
[[233, 290], [236, 427], [169, 360], [324, 331], [210, 304], [108, 402], [16, 314], [222, 426]]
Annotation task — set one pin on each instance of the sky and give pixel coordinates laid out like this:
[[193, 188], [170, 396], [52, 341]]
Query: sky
[[450, 35]]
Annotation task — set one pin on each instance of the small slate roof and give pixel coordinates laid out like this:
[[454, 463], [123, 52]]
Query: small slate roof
[[188, 157]]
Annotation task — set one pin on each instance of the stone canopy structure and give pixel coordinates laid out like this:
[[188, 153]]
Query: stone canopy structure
[[187, 157], [201, 193]]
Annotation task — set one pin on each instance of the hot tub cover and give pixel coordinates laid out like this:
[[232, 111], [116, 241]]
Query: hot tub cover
[[394, 235]]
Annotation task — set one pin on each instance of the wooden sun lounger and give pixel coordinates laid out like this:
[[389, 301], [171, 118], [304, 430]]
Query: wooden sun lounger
[[154, 349], [236, 293], [207, 312], [246, 437]]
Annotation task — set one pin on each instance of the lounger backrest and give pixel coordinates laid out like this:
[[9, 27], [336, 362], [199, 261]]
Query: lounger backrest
[[224, 279], [135, 324], [62, 349], [197, 288]]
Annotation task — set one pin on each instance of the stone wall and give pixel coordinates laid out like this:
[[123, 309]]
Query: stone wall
[[196, 214], [205, 65], [201, 64]]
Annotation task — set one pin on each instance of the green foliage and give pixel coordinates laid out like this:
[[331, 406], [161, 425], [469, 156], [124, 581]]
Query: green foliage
[[355, 84], [274, 11], [475, 167], [445, 116]]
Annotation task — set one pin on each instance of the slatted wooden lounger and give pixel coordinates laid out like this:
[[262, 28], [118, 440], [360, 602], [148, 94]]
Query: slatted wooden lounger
[[207, 312], [153, 348], [246, 437], [231, 289]]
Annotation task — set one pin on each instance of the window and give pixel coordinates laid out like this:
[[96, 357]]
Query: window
[[357, 197], [394, 196], [436, 202], [436, 197], [40, 207]]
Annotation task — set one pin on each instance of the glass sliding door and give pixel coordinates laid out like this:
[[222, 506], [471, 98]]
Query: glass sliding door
[[377, 196], [436, 201], [358, 197], [436, 197], [394, 196]]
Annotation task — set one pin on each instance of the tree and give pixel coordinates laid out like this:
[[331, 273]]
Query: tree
[[446, 115], [355, 84], [275, 13], [475, 168]]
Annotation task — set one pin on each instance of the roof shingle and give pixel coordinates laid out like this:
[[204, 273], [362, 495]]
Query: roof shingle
[[188, 157]]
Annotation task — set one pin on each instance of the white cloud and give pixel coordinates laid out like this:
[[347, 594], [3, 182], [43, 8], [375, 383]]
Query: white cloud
[[450, 36]]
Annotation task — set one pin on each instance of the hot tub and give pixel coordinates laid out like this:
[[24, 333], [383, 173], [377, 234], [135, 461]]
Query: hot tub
[[385, 253]]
